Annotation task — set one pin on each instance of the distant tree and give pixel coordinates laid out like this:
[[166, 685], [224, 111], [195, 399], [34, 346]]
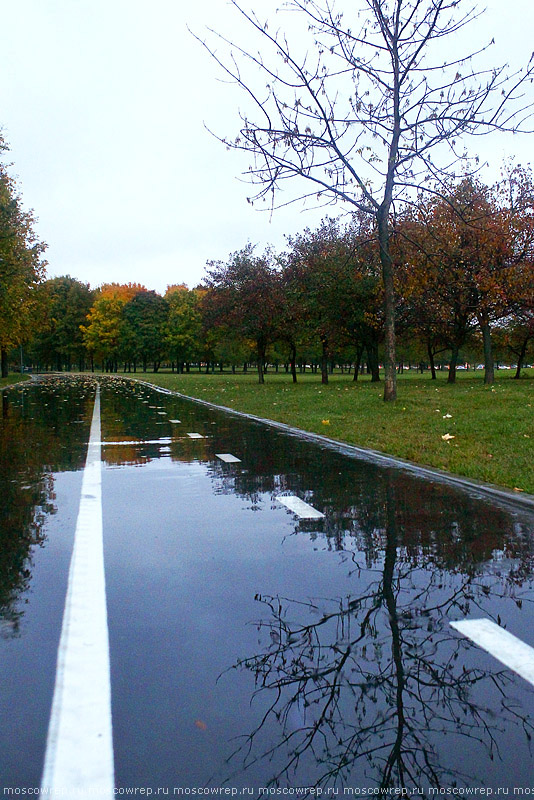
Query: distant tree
[[518, 337], [144, 319], [361, 299], [245, 294], [21, 267], [103, 333], [371, 108], [458, 254], [65, 305], [232, 348], [333, 291], [183, 326], [314, 265]]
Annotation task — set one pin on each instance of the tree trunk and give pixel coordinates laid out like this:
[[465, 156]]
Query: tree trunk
[[261, 361], [452, 365], [3, 358], [358, 362], [431, 360], [372, 355], [324, 361], [521, 358], [390, 382], [489, 367], [293, 363]]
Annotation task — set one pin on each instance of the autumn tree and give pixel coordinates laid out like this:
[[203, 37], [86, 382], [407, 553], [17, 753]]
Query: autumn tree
[[314, 264], [332, 292], [65, 305], [21, 266], [518, 337], [244, 294], [367, 110], [517, 197], [183, 326], [143, 333], [458, 265], [103, 333], [361, 293]]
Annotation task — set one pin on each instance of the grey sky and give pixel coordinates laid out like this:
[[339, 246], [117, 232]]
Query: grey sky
[[103, 103]]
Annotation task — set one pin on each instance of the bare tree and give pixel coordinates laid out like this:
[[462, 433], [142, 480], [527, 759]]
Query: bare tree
[[370, 109]]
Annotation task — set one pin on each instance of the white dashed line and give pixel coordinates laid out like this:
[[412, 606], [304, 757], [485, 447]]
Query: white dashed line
[[79, 748], [299, 507], [228, 458], [503, 646], [195, 436]]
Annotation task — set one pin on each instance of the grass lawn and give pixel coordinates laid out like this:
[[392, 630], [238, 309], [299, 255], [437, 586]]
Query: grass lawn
[[493, 427], [15, 377]]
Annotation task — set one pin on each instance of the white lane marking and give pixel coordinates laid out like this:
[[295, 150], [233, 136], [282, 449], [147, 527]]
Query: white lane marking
[[503, 646], [163, 440], [299, 507], [196, 436], [79, 748], [174, 420], [228, 458]]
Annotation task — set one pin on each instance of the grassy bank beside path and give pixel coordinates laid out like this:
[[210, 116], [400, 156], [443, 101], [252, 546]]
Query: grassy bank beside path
[[491, 428], [11, 380]]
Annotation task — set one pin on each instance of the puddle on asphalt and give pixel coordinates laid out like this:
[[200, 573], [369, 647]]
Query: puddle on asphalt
[[251, 648]]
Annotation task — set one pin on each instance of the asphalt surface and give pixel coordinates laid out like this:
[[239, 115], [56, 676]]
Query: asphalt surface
[[252, 648]]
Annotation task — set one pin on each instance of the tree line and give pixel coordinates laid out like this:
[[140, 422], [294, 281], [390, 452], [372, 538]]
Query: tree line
[[464, 284]]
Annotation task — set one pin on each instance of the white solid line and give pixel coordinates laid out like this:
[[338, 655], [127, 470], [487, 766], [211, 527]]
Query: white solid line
[[228, 458], [503, 646], [299, 507], [195, 436], [79, 748]]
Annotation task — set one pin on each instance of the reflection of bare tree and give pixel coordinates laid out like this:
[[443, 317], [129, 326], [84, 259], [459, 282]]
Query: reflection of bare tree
[[375, 681]]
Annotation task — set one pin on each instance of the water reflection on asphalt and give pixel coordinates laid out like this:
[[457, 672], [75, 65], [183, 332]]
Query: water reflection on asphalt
[[250, 648]]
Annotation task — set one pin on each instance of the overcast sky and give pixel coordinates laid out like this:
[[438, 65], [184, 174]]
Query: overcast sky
[[103, 104]]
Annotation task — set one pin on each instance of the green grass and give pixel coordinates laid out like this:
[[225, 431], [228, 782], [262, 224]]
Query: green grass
[[15, 377], [492, 427]]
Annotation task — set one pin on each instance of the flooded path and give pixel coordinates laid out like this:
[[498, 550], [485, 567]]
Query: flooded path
[[279, 613]]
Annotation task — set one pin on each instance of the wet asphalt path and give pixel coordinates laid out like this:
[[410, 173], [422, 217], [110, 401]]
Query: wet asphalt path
[[247, 644]]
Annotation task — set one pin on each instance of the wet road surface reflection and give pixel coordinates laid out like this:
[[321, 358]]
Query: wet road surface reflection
[[251, 648]]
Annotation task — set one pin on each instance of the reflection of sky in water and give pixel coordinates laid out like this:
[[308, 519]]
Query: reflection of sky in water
[[341, 625]]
